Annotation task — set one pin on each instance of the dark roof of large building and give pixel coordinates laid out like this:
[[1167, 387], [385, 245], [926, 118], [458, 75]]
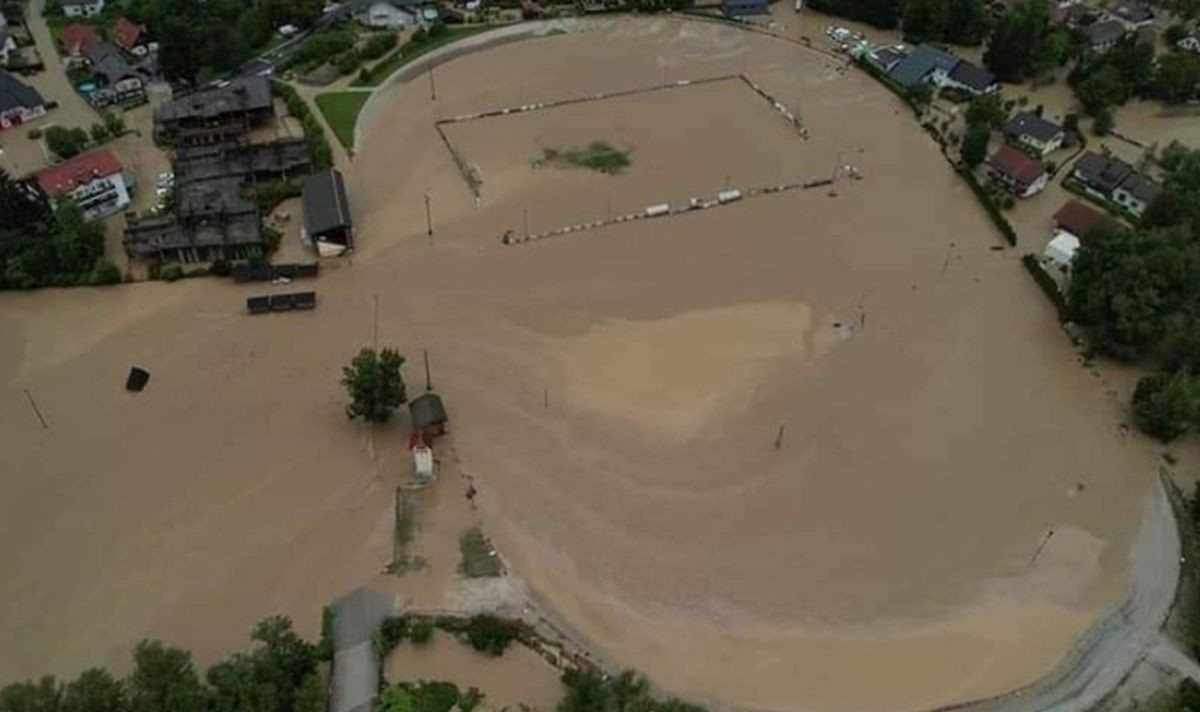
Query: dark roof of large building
[[1101, 172], [976, 78], [737, 8], [426, 409], [15, 94], [1141, 187], [1102, 33], [887, 57], [1028, 123], [325, 204], [1017, 164], [920, 63], [247, 94]]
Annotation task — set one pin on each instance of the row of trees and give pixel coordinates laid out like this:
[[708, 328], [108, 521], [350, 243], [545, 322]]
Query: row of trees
[[278, 675], [1136, 291], [43, 247], [962, 22], [202, 39], [1130, 70]]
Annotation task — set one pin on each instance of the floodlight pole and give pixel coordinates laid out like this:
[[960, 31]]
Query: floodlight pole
[[432, 86], [428, 380], [428, 219]]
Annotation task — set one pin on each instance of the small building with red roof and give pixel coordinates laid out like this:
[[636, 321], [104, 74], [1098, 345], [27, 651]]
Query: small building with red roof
[[1016, 171], [1078, 219], [96, 181], [77, 39], [130, 36]]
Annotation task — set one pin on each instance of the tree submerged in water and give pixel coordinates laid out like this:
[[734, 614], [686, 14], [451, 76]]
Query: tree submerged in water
[[374, 384], [597, 156]]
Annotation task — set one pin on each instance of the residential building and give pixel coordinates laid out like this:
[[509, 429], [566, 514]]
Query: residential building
[[78, 39], [216, 114], [1103, 36], [1132, 14], [1016, 171], [130, 37], [117, 82], [929, 64], [744, 8], [19, 102], [971, 79], [1078, 219], [326, 210], [389, 14], [1037, 135], [1100, 174], [1136, 193], [886, 58], [95, 181], [81, 8], [215, 219], [7, 45], [926, 63], [428, 415]]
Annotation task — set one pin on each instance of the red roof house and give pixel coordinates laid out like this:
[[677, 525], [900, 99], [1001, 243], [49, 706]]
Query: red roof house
[[79, 39], [127, 34], [1017, 171], [1078, 219], [62, 178]]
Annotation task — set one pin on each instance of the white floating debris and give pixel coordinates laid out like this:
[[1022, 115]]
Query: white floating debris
[[654, 211], [728, 196]]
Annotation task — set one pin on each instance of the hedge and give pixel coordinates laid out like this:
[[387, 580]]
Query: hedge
[[989, 206], [318, 146], [1046, 282]]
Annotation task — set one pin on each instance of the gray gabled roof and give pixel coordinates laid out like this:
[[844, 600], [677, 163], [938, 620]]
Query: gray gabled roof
[[1104, 173], [969, 75], [1141, 187], [15, 94], [248, 94], [1028, 123], [108, 60], [325, 204], [1102, 33], [923, 61], [426, 409]]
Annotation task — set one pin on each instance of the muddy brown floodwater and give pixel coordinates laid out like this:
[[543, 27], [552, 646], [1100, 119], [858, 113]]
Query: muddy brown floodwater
[[616, 394]]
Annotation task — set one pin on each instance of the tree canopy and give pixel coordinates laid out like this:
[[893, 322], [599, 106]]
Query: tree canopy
[[374, 384], [884, 14], [962, 22], [39, 247], [1025, 42]]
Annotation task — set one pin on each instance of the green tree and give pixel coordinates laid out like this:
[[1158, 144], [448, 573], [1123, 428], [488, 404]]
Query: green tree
[[1103, 122], [1102, 89], [95, 690], [374, 384], [45, 695], [395, 699], [164, 679], [925, 20], [1175, 78], [99, 133], [1018, 40], [114, 123], [987, 110], [1166, 405], [975, 144], [968, 22], [65, 142], [77, 242], [311, 695]]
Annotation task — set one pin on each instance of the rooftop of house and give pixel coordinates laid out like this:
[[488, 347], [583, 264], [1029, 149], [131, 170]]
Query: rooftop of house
[[1016, 164], [1078, 219], [887, 57], [78, 3], [1102, 33], [248, 94], [79, 39], [15, 94], [1028, 123], [108, 60], [1101, 171], [126, 33], [972, 76], [426, 409], [65, 177], [1141, 187], [325, 204], [918, 64], [1134, 12]]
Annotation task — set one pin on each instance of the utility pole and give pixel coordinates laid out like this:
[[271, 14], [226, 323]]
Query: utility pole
[[375, 327], [428, 380], [779, 437], [525, 218], [428, 220], [432, 87], [37, 411]]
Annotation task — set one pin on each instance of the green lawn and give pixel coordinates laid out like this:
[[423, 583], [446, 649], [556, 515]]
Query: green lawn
[[410, 51], [340, 109]]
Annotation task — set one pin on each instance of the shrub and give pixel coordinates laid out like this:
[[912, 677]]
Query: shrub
[[378, 45], [1103, 123], [347, 62], [1165, 405], [989, 206], [104, 273], [324, 648], [99, 133], [35, 134], [220, 268], [421, 632], [171, 272], [491, 635]]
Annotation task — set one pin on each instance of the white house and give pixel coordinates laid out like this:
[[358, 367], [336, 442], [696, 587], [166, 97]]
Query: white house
[[389, 14], [82, 8], [1136, 193], [96, 182], [19, 102], [1058, 257]]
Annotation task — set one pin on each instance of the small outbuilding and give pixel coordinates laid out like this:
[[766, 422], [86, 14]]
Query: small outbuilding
[[326, 210], [428, 415], [744, 8]]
